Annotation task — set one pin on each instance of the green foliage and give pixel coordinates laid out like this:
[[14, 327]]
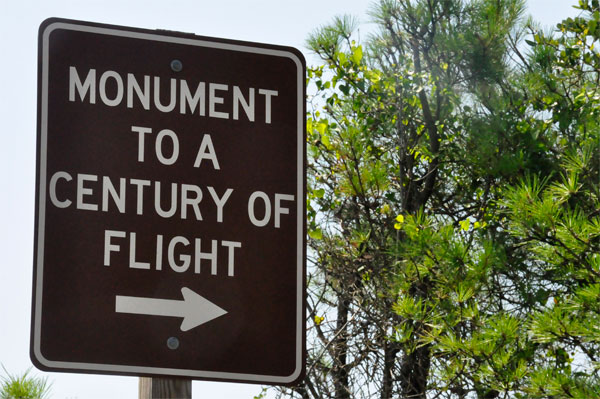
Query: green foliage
[[262, 394], [454, 205], [559, 223], [23, 387]]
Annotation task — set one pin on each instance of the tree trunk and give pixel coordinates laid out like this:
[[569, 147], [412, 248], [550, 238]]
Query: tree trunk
[[414, 372], [340, 350], [390, 351]]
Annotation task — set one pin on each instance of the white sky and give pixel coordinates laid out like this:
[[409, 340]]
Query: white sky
[[271, 21]]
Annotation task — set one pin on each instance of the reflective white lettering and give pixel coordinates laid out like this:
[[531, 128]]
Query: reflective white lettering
[[89, 84], [142, 95], [172, 98], [85, 191], [118, 81], [158, 147], [207, 151], [214, 100], [238, 99], [268, 94], [108, 246], [184, 259], [251, 212], [52, 187]]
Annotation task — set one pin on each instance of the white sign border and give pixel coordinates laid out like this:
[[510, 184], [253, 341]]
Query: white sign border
[[128, 369]]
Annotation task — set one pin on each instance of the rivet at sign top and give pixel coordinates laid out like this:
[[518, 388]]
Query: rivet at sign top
[[176, 65], [173, 343]]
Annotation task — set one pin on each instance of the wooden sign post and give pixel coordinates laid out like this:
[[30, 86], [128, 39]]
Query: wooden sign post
[[165, 388]]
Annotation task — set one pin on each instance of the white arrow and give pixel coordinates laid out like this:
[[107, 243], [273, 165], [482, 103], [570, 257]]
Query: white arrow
[[194, 309]]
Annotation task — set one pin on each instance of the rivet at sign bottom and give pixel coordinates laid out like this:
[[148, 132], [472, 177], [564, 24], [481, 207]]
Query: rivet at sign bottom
[[173, 343]]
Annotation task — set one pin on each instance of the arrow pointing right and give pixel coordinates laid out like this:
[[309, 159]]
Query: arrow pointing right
[[194, 309]]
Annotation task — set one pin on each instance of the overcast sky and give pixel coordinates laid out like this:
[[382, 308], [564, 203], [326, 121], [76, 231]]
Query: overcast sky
[[270, 21]]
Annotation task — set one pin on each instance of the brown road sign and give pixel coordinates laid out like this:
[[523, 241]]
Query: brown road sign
[[170, 205]]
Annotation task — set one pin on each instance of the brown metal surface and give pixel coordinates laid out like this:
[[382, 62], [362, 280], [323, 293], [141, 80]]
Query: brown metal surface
[[75, 326]]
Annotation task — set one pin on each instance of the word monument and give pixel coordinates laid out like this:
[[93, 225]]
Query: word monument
[[170, 205]]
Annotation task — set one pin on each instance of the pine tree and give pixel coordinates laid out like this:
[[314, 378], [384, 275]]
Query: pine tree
[[454, 218]]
